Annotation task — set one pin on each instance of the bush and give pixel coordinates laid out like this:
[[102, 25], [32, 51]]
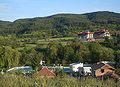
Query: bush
[[60, 73]]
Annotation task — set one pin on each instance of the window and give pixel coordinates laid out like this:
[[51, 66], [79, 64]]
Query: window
[[102, 70]]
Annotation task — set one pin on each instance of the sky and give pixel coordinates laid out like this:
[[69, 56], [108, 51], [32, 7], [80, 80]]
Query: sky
[[11, 10]]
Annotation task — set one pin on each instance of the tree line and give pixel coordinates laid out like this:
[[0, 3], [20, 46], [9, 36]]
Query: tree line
[[58, 53]]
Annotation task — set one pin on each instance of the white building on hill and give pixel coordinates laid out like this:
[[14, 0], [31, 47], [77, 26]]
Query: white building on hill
[[86, 36]]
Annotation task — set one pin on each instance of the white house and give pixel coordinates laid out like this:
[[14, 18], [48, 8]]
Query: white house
[[75, 66], [86, 36], [91, 36], [85, 70]]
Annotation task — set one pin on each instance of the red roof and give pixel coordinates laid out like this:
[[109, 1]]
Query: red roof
[[84, 33], [101, 32], [46, 72]]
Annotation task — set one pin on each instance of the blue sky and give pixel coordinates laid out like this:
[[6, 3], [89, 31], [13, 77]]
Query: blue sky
[[11, 10]]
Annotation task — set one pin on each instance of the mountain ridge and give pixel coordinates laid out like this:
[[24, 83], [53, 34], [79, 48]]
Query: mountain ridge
[[61, 14], [62, 24]]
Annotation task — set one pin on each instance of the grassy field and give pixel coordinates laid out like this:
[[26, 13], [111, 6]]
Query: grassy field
[[54, 39], [45, 42], [63, 40], [10, 80]]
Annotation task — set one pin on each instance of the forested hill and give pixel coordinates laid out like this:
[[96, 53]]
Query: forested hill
[[62, 24], [104, 17]]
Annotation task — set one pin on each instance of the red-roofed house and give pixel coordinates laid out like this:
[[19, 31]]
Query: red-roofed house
[[46, 72], [101, 34], [86, 36]]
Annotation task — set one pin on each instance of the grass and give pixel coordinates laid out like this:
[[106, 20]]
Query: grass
[[12, 80], [63, 40], [45, 42], [56, 39], [31, 45]]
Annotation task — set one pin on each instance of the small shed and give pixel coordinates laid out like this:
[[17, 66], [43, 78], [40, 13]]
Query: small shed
[[46, 72]]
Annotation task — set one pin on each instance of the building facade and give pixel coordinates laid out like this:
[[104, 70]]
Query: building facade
[[92, 36], [101, 34], [86, 36]]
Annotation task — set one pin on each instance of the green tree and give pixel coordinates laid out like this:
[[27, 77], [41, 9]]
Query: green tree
[[85, 53], [107, 54], [31, 57], [95, 52], [51, 53], [9, 57], [68, 54]]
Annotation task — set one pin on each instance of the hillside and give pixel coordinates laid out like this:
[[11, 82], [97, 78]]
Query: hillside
[[104, 17], [52, 39], [62, 24]]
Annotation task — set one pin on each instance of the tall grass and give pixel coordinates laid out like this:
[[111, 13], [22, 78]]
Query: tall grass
[[11, 80]]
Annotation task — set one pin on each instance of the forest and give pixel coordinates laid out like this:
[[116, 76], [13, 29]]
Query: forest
[[15, 51]]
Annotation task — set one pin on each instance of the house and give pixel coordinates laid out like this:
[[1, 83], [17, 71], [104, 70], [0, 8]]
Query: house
[[91, 36], [86, 36], [101, 34], [75, 66], [85, 70], [46, 72], [102, 70]]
